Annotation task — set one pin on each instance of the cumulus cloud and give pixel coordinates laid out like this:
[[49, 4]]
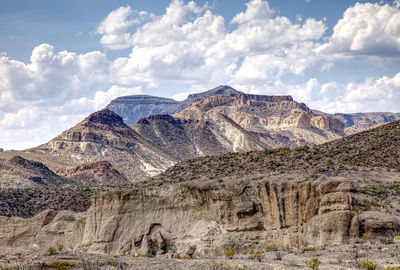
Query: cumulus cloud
[[41, 124], [52, 92], [372, 95], [366, 29], [51, 78], [190, 44], [114, 27]]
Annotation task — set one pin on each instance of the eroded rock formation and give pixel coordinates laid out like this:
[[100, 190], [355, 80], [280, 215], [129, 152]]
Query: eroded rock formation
[[197, 219]]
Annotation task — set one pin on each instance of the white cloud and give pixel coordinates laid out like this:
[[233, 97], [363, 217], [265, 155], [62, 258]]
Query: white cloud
[[51, 93], [51, 78], [190, 44], [40, 124], [368, 30], [256, 10], [372, 95], [114, 27]]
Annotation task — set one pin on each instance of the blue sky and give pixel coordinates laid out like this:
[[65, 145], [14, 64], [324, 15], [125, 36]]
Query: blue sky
[[61, 60]]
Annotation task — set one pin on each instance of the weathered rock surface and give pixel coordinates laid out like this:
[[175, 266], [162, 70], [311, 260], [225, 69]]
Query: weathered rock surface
[[132, 108], [195, 219]]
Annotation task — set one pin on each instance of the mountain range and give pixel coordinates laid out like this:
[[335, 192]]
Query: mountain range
[[104, 150], [223, 173]]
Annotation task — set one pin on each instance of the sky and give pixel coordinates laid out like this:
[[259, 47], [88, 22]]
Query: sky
[[62, 60]]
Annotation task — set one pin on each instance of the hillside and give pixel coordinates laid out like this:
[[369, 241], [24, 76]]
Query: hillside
[[378, 147], [20, 172], [102, 136], [237, 123]]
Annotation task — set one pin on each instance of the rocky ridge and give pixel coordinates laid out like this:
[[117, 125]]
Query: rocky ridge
[[132, 108]]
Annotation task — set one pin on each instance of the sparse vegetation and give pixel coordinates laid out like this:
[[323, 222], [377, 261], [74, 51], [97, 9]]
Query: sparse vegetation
[[313, 263], [148, 256], [367, 265], [229, 252], [51, 251], [60, 265], [366, 149], [366, 236], [270, 248], [308, 248]]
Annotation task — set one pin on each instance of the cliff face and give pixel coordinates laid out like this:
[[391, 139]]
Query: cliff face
[[132, 108], [232, 123], [198, 219]]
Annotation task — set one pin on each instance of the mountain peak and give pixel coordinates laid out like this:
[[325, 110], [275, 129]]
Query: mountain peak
[[219, 90], [104, 117]]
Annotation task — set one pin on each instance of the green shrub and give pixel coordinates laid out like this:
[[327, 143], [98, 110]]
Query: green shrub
[[255, 254], [229, 252], [149, 256], [309, 248], [366, 236], [60, 247], [60, 265], [313, 263], [184, 257], [270, 248], [51, 251], [367, 264], [392, 268]]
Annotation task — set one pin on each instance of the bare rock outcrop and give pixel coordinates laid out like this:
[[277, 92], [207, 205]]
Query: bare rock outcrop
[[198, 218]]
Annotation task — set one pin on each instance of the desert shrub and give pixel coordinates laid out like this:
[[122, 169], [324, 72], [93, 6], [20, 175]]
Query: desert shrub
[[51, 251], [149, 256], [229, 252], [386, 241], [367, 265], [60, 247], [366, 236], [308, 248], [313, 263], [270, 248], [256, 254], [183, 257], [60, 265]]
